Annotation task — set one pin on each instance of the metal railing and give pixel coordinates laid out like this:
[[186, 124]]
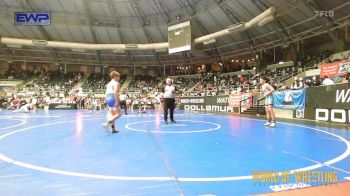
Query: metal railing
[[240, 103], [258, 105]]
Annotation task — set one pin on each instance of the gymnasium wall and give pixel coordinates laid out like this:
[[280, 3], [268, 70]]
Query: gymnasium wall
[[73, 68], [3, 66]]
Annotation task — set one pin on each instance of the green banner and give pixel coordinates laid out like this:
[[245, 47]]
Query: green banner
[[329, 97]]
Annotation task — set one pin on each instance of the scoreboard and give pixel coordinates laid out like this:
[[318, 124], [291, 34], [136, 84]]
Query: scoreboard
[[179, 37]]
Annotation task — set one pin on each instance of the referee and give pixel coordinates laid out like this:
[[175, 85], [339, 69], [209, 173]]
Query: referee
[[169, 100]]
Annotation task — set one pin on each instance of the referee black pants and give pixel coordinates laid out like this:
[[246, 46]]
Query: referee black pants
[[169, 103]]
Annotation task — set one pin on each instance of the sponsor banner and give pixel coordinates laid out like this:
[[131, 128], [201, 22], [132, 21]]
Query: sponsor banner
[[33, 18], [313, 72], [234, 100], [327, 115], [330, 97], [334, 69], [207, 104], [63, 106], [289, 99], [192, 100], [217, 100]]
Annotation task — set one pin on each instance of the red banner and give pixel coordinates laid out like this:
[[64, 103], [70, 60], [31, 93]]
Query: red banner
[[234, 99], [334, 69]]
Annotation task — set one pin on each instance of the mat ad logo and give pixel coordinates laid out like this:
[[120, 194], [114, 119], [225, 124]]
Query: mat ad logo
[[295, 176], [33, 18]]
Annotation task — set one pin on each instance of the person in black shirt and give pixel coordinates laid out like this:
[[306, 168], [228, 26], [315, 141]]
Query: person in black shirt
[[315, 81], [347, 76]]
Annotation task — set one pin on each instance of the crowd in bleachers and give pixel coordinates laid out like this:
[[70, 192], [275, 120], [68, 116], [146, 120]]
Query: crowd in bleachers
[[215, 84], [15, 72], [47, 87], [224, 84], [300, 83], [312, 60], [96, 83], [143, 84], [54, 84], [184, 84], [43, 88]]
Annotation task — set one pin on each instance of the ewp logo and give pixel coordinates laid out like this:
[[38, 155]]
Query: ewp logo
[[32, 18]]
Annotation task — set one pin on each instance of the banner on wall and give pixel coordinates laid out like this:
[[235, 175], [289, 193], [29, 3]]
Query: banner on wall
[[207, 104], [328, 103], [334, 69], [289, 99], [234, 100], [329, 97]]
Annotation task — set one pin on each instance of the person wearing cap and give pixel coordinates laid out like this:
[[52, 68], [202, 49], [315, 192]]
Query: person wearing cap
[[301, 84], [169, 92], [315, 81], [295, 84]]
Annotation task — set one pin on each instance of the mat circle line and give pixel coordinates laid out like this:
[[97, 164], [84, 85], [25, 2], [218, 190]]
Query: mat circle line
[[174, 132], [162, 178], [12, 126]]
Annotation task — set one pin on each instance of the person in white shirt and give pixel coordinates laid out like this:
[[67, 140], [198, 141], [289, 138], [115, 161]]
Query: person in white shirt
[[142, 105], [34, 102], [25, 108], [113, 101], [135, 103], [157, 101], [267, 90], [327, 81], [301, 84], [47, 100], [169, 100], [123, 97], [295, 84]]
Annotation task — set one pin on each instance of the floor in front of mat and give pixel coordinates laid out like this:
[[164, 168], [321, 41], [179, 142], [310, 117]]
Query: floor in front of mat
[[69, 153]]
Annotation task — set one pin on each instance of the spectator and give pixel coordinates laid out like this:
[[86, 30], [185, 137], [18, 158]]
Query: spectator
[[347, 76], [344, 80], [301, 84], [255, 94], [327, 81], [295, 84], [315, 81], [308, 83], [298, 84]]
